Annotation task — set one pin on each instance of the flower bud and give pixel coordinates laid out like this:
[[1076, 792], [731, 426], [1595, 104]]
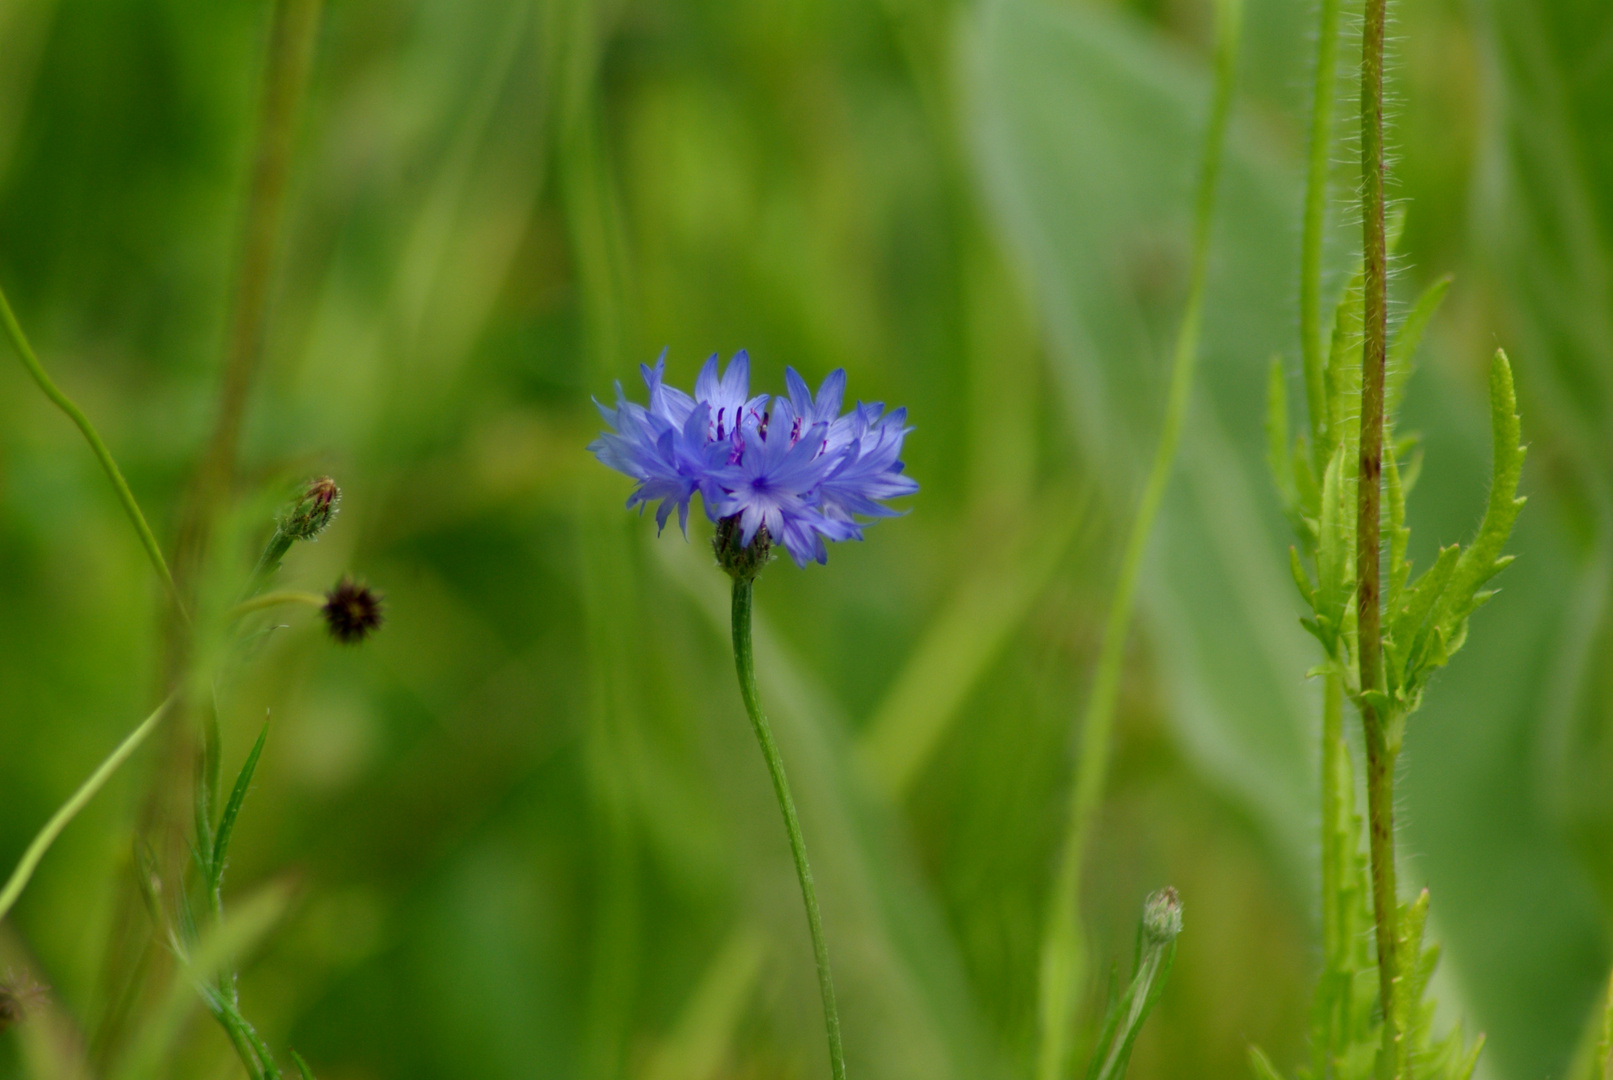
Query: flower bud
[[311, 513], [741, 561], [1162, 916], [352, 611]]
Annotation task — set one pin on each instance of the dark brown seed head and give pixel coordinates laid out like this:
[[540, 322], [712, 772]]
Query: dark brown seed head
[[352, 611]]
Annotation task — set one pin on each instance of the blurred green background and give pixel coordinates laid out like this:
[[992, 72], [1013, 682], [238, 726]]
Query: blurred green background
[[529, 828]]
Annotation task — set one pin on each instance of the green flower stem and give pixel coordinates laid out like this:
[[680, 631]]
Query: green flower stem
[[80, 798], [1375, 332], [745, 663], [1062, 959], [292, 34], [274, 599], [74, 413], [273, 552], [1335, 949], [1310, 258]]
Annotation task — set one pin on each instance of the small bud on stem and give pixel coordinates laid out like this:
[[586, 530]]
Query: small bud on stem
[[310, 515], [304, 519]]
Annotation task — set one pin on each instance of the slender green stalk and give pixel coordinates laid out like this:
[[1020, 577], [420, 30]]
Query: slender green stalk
[[1334, 949], [80, 798], [745, 663], [1375, 332], [1310, 260], [286, 67], [74, 413], [1062, 959], [274, 599], [273, 552]]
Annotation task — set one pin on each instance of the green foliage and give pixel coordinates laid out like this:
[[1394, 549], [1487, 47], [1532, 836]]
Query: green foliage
[[802, 185], [1430, 614]]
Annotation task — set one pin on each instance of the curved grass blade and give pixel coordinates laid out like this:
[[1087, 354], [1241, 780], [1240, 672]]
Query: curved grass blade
[[86, 791]]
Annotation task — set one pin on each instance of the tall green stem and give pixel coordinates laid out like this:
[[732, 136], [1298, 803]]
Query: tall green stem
[[745, 663], [1375, 331], [292, 34], [1310, 259], [102, 454], [1334, 949], [1063, 960]]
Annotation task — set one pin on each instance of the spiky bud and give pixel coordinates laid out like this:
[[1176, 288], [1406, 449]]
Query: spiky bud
[[352, 611], [311, 513]]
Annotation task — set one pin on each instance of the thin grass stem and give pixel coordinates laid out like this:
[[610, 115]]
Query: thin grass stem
[[275, 599], [1063, 960], [745, 663], [86, 791], [1312, 347], [102, 454]]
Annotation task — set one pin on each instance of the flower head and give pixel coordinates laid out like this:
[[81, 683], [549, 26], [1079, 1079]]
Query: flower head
[[352, 611], [791, 470]]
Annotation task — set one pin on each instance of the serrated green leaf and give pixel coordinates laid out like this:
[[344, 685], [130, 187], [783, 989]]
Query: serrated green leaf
[[1302, 580], [1307, 488], [1482, 559], [1399, 535], [1403, 351], [1335, 554], [1406, 620]]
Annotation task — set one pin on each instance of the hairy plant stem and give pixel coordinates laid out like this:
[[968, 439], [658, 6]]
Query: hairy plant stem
[[1063, 960], [745, 663], [102, 454], [1375, 331]]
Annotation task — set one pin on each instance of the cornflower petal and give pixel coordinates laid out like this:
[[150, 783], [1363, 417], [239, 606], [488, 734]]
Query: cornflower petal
[[788, 464]]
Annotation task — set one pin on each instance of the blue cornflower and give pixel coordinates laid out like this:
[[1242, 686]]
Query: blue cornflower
[[792, 471]]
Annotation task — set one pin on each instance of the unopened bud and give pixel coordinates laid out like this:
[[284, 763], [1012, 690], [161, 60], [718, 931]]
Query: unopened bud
[[1162, 916], [311, 513]]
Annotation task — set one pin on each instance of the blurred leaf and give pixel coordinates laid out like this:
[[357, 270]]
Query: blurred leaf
[[702, 1038], [1077, 108], [964, 639]]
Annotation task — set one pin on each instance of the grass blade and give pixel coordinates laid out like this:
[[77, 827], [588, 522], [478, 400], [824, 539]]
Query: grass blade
[[86, 791]]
